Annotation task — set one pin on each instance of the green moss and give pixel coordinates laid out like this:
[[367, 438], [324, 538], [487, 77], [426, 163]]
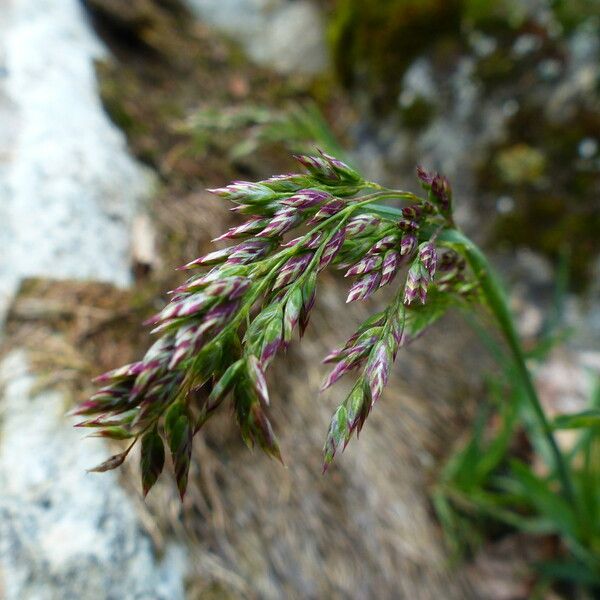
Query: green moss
[[556, 193], [114, 97], [417, 114], [374, 42], [497, 68], [520, 164], [572, 13], [491, 16]]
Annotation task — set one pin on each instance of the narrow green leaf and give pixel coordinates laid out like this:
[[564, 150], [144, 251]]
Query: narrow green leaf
[[547, 502], [572, 571], [581, 420]]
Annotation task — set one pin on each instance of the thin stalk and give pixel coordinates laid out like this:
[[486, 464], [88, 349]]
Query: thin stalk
[[497, 302], [496, 299]]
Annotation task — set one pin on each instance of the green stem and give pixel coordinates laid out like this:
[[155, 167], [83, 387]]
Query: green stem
[[496, 299]]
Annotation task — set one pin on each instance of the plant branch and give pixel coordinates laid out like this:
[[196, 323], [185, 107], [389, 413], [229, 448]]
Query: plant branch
[[498, 304]]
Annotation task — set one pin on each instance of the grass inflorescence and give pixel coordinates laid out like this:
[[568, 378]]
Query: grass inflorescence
[[243, 302]]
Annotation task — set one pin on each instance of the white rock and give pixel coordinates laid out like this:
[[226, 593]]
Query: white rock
[[288, 36], [581, 73], [65, 533], [68, 188]]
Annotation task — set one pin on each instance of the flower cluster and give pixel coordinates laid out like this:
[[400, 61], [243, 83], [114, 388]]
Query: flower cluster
[[242, 304]]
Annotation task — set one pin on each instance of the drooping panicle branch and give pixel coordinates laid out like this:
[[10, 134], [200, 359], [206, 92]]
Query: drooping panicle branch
[[242, 303]]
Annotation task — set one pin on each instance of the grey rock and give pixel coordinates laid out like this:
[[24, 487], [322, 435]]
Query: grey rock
[[68, 188], [287, 36], [65, 533], [465, 123], [582, 74]]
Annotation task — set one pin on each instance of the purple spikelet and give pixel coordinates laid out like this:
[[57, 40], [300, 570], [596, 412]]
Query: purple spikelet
[[284, 219], [390, 266], [365, 265], [408, 244], [344, 171], [250, 227], [250, 251], [305, 199], [417, 283], [377, 370], [440, 188], [425, 177], [328, 210], [389, 241], [332, 248], [364, 287], [428, 257], [362, 224], [292, 269], [319, 167]]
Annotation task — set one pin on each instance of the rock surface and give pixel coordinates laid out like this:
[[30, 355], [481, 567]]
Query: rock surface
[[288, 36], [68, 194], [68, 188], [65, 533]]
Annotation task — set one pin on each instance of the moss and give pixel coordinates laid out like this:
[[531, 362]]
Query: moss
[[496, 68], [520, 164], [572, 13], [557, 206], [492, 16], [374, 42], [417, 114]]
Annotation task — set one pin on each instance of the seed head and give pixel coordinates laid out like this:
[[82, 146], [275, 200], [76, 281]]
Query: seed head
[[304, 199], [417, 283], [364, 287], [408, 244], [428, 258], [249, 193], [222, 327], [362, 225]]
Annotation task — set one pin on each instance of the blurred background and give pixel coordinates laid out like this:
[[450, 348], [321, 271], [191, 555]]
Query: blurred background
[[114, 118]]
